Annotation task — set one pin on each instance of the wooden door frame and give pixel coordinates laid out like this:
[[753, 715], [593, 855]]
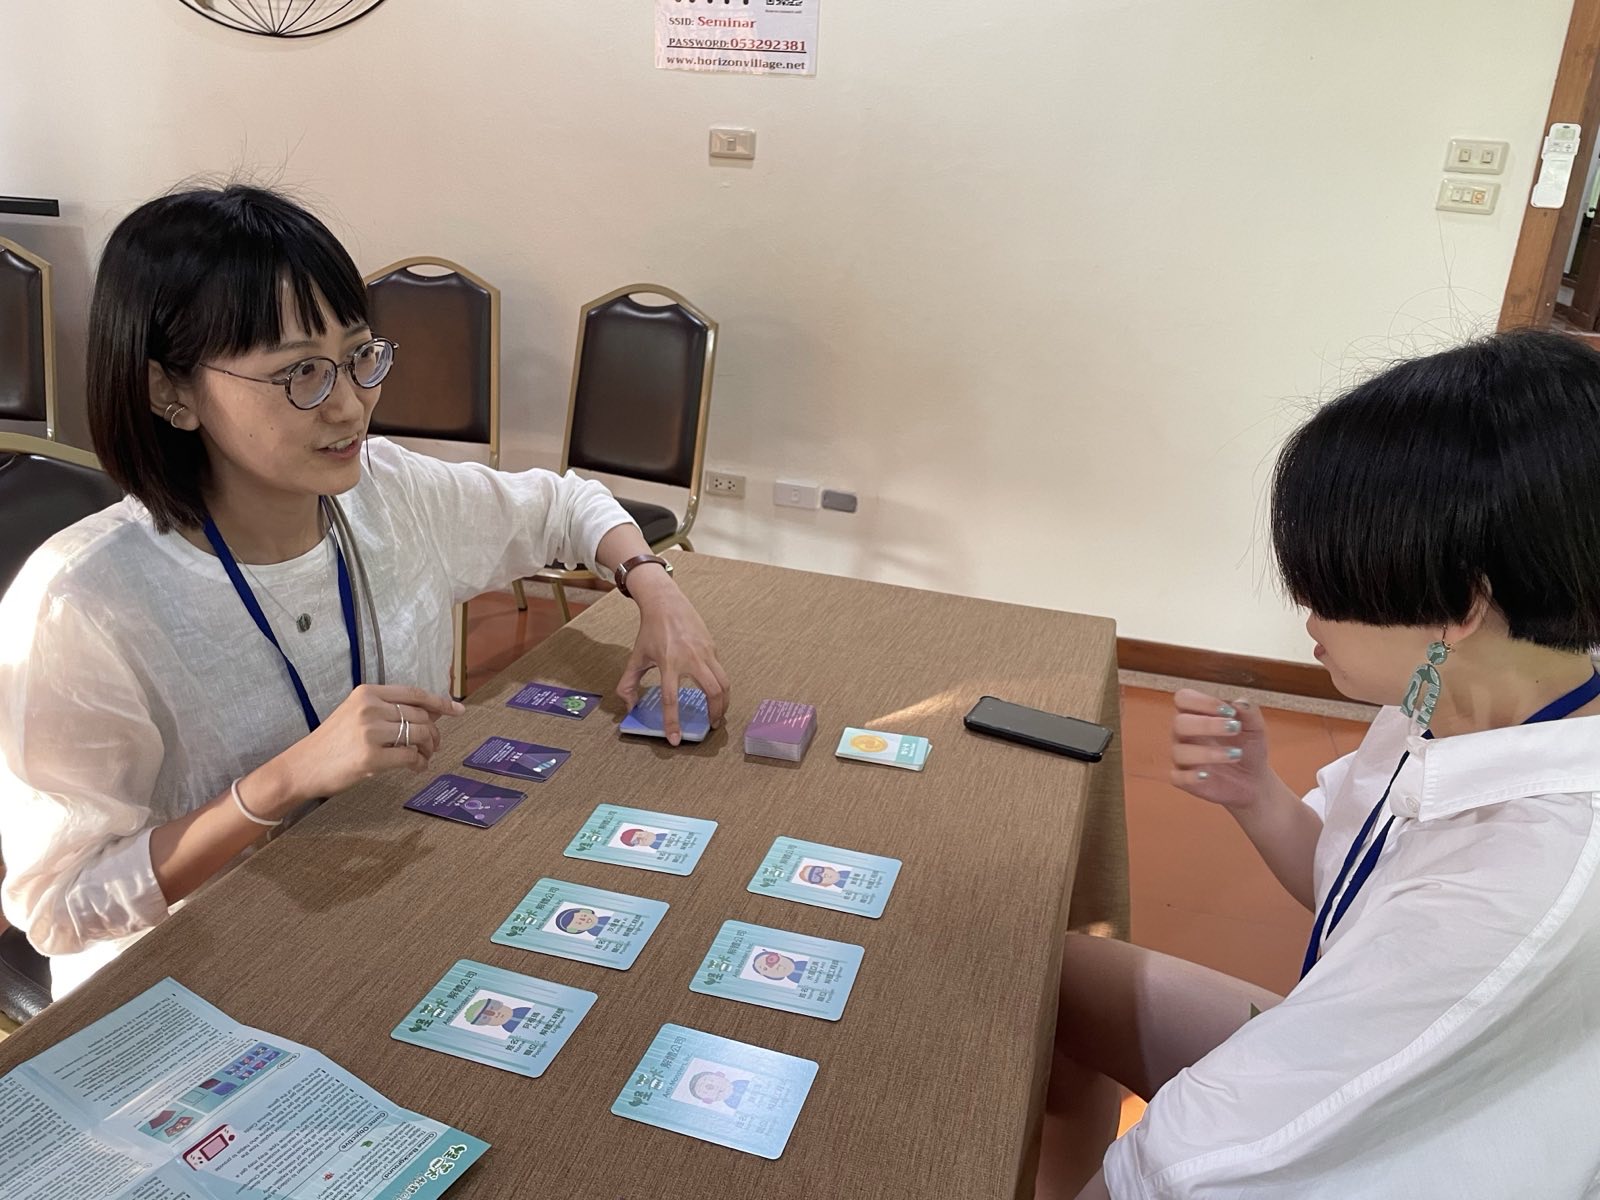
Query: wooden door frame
[[1535, 278]]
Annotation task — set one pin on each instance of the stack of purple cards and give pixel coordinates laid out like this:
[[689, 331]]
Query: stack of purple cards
[[781, 729], [470, 801]]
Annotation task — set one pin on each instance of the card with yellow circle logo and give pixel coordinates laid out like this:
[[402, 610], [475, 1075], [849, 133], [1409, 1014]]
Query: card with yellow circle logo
[[892, 749]]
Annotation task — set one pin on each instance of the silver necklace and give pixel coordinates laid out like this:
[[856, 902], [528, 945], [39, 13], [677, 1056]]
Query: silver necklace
[[303, 621]]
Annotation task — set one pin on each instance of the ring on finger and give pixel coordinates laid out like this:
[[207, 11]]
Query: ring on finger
[[403, 738]]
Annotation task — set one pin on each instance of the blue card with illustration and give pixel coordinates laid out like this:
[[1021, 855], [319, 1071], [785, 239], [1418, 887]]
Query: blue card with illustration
[[718, 1090], [826, 876], [517, 760], [557, 701], [636, 837], [583, 923], [498, 1018], [646, 718], [778, 969]]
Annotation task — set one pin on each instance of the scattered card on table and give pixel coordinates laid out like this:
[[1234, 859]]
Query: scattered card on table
[[777, 969], [558, 701], [583, 923], [470, 801], [647, 719], [892, 749], [635, 837], [495, 1017], [826, 876], [517, 760], [718, 1090]]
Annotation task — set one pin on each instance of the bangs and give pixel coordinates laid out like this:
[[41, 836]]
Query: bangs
[[225, 281]]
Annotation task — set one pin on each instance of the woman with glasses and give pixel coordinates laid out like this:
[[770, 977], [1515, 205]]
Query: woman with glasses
[[265, 619]]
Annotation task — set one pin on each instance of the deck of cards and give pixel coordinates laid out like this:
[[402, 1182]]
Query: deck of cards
[[648, 719], [781, 729], [891, 749]]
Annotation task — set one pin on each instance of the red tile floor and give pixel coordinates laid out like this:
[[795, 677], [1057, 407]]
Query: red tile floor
[[1198, 889]]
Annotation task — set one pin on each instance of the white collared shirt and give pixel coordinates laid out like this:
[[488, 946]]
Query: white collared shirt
[[1447, 1044], [134, 685]]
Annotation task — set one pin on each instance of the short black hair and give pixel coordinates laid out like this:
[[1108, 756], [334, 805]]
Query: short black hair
[[1474, 472], [184, 278]]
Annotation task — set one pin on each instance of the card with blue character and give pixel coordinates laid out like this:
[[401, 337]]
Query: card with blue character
[[826, 877], [718, 1090], [499, 1018], [777, 969], [635, 837], [582, 923]]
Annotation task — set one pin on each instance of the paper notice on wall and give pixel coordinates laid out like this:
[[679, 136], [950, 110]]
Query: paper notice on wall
[[747, 37]]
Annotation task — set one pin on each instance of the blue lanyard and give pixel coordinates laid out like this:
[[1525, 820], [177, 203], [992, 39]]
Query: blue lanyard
[[252, 606], [1554, 711]]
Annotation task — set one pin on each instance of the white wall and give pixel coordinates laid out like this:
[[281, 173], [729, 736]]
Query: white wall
[[1046, 289]]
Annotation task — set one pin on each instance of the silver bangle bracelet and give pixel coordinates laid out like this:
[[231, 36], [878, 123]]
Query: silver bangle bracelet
[[246, 813]]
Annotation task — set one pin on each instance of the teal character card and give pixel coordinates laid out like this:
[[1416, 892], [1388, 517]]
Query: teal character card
[[633, 837], [495, 1017], [826, 876], [777, 969], [718, 1090], [572, 921]]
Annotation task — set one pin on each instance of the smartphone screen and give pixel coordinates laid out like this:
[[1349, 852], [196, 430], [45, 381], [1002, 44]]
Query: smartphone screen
[[1034, 727]]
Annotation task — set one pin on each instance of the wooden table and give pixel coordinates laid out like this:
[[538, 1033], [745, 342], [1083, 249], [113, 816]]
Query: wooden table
[[932, 1083]]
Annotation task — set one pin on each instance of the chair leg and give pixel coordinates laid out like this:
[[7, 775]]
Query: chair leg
[[458, 669], [687, 545], [561, 599], [522, 596]]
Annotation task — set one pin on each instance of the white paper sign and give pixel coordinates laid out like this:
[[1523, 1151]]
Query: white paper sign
[[747, 37]]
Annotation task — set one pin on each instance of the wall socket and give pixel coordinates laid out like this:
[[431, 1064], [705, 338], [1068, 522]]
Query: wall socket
[[788, 494], [725, 484]]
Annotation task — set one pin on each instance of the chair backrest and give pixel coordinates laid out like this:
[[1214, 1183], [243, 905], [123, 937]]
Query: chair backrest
[[44, 487], [27, 338], [446, 378], [641, 387]]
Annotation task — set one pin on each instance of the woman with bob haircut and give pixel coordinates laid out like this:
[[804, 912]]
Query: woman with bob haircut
[[1441, 523], [264, 621]]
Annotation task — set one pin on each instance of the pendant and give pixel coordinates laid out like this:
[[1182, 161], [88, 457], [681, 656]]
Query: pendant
[[303, 622]]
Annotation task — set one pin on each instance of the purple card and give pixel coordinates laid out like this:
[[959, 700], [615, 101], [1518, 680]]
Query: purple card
[[518, 760], [558, 701], [467, 800], [782, 721]]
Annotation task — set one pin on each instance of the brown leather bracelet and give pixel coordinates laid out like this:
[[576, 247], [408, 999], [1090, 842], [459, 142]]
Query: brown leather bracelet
[[638, 560]]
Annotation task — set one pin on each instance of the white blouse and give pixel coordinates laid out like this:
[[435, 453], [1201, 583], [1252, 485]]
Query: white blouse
[[134, 685], [1448, 1042]]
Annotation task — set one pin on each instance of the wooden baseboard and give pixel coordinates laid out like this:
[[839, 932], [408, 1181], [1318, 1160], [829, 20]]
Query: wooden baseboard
[[1231, 670]]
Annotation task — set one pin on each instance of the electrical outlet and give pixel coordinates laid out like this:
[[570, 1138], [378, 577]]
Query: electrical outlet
[[788, 494], [725, 484]]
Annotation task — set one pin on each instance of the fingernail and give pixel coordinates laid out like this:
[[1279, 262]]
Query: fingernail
[[1244, 704], [1235, 753], [673, 740], [1226, 710], [457, 707], [1202, 776], [1232, 727]]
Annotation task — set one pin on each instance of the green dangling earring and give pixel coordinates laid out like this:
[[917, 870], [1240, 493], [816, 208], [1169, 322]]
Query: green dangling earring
[[1423, 694]]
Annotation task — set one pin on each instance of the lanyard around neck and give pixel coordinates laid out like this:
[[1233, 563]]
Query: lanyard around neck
[[1328, 917], [253, 607]]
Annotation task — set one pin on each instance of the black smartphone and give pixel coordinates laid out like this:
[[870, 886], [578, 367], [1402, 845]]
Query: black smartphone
[[1082, 740]]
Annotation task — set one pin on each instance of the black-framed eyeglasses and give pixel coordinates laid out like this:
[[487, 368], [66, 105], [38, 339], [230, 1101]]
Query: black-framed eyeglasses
[[310, 381]]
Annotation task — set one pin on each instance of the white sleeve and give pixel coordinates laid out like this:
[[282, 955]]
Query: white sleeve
[[490, 527], [79, 757], [1391, 1059], [1329, 780]]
